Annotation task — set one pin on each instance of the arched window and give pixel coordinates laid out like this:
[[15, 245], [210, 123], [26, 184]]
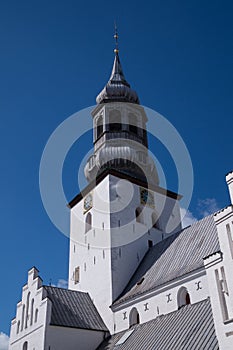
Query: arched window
[[133, 123], [88, 223], [183, 297], [154, 219], [134, 317], [25, 345], [36, 315], [32, 311], [99, 127], [138, 215], [22, 320], [27, 310], [114, 121]]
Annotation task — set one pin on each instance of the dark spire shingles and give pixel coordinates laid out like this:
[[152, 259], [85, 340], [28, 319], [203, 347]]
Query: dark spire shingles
[[117, 89]]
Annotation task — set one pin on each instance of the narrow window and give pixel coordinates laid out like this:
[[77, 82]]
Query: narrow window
[[36, 315], [150, 243], [88, 223], [76, 275], [222, 292], [133, 124], [32, 311], [27, 310], [183, 297], [99, 127], [144, 132], [187, 299], [224, 281], [229, 235], [134, 317], [138, 215], [18, 327], [115, 121], [154, 220], [22, 320], [25, 345]]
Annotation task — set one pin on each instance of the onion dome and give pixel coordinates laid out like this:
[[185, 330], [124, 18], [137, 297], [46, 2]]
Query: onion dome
[[117, 89]]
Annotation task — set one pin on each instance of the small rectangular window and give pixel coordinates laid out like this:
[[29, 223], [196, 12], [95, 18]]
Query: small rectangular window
[[125, 336], [150, 243], [77, 275]]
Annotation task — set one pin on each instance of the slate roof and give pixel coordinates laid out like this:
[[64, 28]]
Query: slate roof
[[73, 309], [191, 327], [173, 257]]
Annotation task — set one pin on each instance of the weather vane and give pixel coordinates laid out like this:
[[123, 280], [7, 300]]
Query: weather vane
[[116, 50]]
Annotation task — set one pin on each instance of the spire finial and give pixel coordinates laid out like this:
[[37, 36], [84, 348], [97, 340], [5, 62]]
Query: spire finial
[[116, 50]]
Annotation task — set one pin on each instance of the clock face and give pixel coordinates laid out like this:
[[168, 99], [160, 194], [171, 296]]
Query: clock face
[[87, 203], [147, 197]]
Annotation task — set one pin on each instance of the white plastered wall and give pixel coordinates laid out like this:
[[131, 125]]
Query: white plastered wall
[[219, 269], [31, 328], [162, 300]]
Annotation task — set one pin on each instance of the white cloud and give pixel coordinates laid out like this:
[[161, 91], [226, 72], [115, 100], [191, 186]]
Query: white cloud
[[61, 284], [188, 217], [4, 341], [207, 206]]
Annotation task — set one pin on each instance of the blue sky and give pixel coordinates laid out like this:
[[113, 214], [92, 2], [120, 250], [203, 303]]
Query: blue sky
[[55, 58]]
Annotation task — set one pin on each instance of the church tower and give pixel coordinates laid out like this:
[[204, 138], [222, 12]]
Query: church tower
[[123, 211]]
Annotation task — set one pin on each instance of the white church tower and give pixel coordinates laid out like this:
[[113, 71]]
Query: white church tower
[[123, 211], [136, 279]]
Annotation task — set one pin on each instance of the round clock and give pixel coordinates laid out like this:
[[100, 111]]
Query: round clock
[[87, 204], [147, 197]]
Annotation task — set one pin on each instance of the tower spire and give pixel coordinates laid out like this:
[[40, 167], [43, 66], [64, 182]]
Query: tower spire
[[116, 50], [117, 88]]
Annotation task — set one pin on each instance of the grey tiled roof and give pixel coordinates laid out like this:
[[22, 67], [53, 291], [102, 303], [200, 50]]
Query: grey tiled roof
[[191, 327], [174, 257], [73, 309]]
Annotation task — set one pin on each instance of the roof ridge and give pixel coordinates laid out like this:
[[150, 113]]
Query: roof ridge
[[66, 289]]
